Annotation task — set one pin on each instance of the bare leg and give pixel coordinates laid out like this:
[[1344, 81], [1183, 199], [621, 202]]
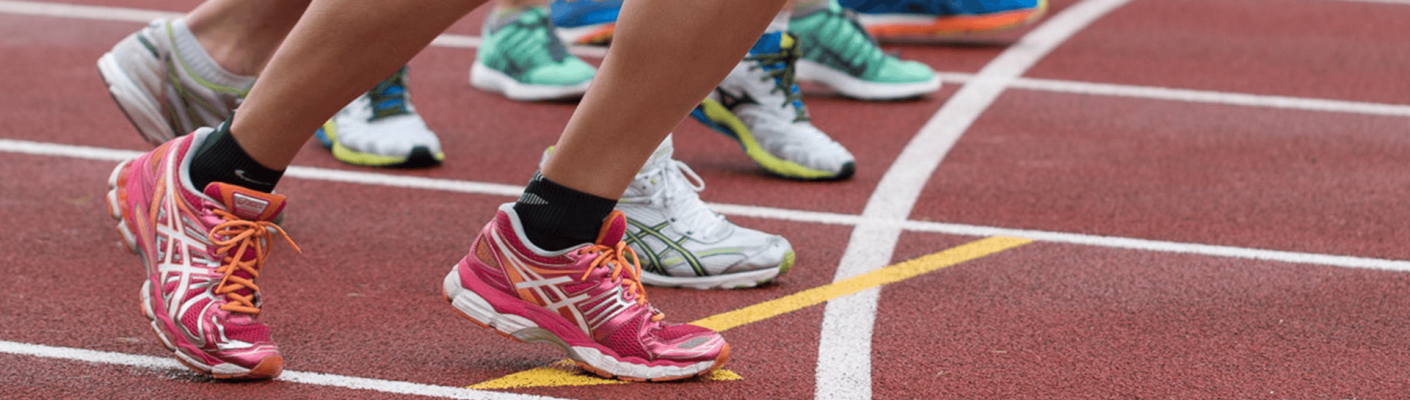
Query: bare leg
[[325, 64], [665, 57], [241, 34]]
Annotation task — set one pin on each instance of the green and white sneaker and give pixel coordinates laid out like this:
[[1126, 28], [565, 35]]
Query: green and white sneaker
[[382, 129], [525, 61], [681, 242], [838, 53]]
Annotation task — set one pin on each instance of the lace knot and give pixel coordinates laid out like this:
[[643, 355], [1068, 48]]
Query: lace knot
[[237, 237], [615, 258]]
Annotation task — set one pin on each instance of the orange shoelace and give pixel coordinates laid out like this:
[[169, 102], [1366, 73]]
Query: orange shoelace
[[615, 257], [242, 235]]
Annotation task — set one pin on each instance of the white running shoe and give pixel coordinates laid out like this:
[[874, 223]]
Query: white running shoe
[[683, 243], [168, 88], [382, 129], [759, 106]]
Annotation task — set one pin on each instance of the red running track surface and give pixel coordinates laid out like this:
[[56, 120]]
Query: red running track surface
[[1089, 310]]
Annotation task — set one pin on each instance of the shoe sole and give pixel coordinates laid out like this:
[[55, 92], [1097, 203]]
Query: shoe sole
[[717, 117], [420, 156], [887, 26], [477, 309], [740, 280], [598, 35], [268, 368], [850, 86], [490, 80]]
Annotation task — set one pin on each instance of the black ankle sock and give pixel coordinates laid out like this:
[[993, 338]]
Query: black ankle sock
[[556, 217], [221, 159]]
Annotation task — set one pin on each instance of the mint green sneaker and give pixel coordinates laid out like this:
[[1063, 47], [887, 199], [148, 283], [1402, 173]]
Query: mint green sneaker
[[525, 61], [838, 53]]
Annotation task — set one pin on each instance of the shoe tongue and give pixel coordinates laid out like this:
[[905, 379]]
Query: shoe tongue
[[662, 153], [246, 203], [612, 229]]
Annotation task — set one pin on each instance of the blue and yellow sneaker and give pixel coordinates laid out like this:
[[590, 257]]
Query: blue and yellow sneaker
[[585, 21], [759, 106], [838, 53], [381, 129], [525, 61], [890, 18]]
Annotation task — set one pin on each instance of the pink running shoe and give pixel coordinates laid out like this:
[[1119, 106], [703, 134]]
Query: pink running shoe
[[588, 300], [202, 251]]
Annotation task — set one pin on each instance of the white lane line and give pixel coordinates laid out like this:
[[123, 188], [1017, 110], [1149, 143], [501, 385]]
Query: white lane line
[[844, 349], [1165, 246], [310, 173], [1196, 96], [102, 13], [66, 150], [309, 378], [817, 217], [410, 182], [1076, 87]]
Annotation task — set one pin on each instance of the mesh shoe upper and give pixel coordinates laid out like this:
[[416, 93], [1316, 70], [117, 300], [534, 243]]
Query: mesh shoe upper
[[682, 242], [588, 299], [381, 128], [526, 61], [839, 53], [203, 253], [761, 95], [169, 87]]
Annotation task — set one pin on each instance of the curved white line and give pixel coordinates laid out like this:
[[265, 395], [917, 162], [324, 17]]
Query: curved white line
[[844, 349]]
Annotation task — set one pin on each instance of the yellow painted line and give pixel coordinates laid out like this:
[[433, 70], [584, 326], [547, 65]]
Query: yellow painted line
[[891, 274], [566, 373]]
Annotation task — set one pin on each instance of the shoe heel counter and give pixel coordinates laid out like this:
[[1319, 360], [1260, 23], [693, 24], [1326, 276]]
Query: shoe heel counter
[[483, 263]]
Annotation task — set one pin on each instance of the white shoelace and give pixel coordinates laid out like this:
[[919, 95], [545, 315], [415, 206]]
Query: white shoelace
[[676, 187]]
